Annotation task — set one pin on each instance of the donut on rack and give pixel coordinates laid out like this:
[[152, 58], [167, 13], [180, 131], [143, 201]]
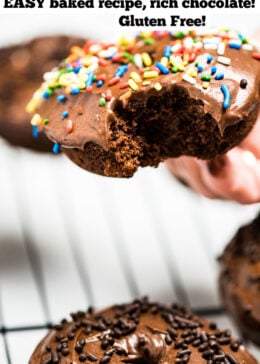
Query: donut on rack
[[140, 332], [239, 280]]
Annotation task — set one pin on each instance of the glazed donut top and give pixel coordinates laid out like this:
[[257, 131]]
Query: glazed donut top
[[78, 101], [142, 333]]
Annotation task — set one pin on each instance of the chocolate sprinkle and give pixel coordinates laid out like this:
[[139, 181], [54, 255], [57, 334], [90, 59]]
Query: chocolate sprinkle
[[243, 83], [231, 359], [224, 341], [47, 361], [82, 357], [106, 359], [91, 357]]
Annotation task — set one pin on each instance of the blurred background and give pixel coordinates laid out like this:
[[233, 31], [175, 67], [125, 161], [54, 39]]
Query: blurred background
[[70, 239]]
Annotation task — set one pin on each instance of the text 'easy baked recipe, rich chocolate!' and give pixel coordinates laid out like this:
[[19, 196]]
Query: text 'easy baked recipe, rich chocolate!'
[[115, 107]]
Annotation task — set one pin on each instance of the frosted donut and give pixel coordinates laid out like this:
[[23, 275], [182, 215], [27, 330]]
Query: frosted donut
[[22, 66], [239, 280], [115, 107], [141, 332]]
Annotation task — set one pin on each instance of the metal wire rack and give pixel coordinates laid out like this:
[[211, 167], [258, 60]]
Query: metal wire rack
[[70, 239]]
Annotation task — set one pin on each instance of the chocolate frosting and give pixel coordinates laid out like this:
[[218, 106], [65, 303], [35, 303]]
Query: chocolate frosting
[[240, 279], [140, 332], [92, 122]]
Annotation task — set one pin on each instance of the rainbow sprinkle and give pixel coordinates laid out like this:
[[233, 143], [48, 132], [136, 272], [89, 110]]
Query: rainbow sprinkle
[[167, 51], [100, 83], [35, 131], [235, 44], [36, 120], [147, 60], [151, 74], [135, 76], [205, 85], [162, 68], [56, 148], [108, 95], [132, 85], [189, 79], [224, 60], [61, 98], [102, 101], [227, 96], [221, 49], [200, 68], [69, 126], [114, 81], [157, 86], [206, 78], [126, 95], [210, 58], [75, 91], [256, 55], [65, 114], [219, 76]]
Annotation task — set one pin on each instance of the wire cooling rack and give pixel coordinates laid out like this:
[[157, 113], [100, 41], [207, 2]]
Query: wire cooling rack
[[70, 239]]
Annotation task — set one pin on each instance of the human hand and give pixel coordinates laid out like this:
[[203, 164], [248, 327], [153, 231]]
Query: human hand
[[233, 176]]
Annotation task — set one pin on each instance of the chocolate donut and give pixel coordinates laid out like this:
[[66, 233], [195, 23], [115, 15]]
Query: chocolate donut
[[22, 66], [141, 101], [141, 332], [240, 279]]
